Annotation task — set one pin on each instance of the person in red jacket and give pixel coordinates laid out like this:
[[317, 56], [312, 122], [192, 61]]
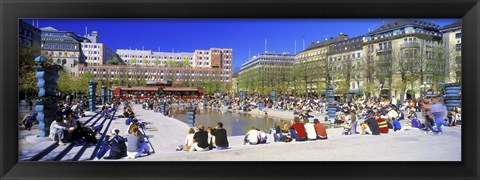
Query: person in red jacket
[[382, 124], [297, 130]]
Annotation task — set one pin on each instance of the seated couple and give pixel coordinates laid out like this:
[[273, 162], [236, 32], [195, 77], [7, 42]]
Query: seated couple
[[307, 131], [255, 136], [72, 130], [199, 141]]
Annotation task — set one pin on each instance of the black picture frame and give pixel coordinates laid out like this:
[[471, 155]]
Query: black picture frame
[[11, 11]]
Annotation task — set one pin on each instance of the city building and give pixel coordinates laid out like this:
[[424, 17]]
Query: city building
[[266, 72], [213, 58], [166, 67], [404, 53], [452, 41], [312, 71], [345, 59], [64, 48], [97, 53], [29, 37]]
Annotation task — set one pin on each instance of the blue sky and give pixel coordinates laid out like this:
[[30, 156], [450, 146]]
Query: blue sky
[[242, 35]]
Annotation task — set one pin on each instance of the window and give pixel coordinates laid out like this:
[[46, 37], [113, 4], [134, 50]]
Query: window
[[380, 46], [458, 35]]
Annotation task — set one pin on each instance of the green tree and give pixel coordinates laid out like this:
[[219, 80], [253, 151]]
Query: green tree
[[132, 61], [113, 61], [156, 61], [65, 82], [146, 61], [184, 63], [171, 63], [26, 81]]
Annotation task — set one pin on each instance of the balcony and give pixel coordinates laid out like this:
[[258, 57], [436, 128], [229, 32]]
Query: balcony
[[410, 45], [384, 50]]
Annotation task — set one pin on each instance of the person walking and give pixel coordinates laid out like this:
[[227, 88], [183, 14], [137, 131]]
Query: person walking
[[438, 112]]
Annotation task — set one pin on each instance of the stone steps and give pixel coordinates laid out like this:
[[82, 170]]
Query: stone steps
[[37, 151], [51, 151]]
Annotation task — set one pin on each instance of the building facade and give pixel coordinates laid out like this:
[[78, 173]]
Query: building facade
[[404, 53], [312, 71], [29, 37], [345, 59], [216, 58], [97, 53], [147, 65], [64, 48], [452, 44], [266, 72]]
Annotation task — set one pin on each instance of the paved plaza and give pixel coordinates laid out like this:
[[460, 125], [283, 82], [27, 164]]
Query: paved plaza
[[166, 133]]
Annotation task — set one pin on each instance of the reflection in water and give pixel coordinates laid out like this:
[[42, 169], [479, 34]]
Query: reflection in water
[[236, 123]]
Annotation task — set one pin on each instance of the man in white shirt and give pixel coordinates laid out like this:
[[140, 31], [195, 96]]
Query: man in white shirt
[[393, 113], [311, 133], [252, 136]]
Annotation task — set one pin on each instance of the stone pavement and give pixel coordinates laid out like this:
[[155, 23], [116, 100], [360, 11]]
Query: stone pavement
[[413, 145]]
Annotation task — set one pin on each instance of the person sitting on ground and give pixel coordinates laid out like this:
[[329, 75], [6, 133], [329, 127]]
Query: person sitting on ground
[[28, 121], [414, 122], [87, 133], [285, 126], [200, 140], [396, 125], [71, 122], [211, 138], [451, 118], [382, 124], [370, 125], [353, 123], [189, 140], [221, 140], [297, 130], [57, 129], [137, 143], [277, 135], [133, 123], [263, 137], [116, 143], [251, 137], [310, 129], [320, 129], [389, 121]]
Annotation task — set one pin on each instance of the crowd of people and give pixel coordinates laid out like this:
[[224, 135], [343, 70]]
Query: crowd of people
[[363, 116], [133, 146], [67, 128]]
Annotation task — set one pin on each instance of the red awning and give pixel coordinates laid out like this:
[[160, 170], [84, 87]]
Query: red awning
[[140, 89], [176, 89]]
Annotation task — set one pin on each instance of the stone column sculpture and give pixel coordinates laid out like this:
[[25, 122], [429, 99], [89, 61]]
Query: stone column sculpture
[[92, 87], [331, 107], [46, 105], [191, 116], [110, 96], [452, 96], [104, 94]]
